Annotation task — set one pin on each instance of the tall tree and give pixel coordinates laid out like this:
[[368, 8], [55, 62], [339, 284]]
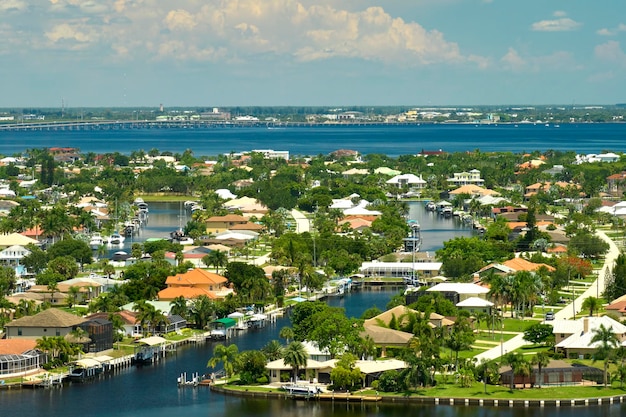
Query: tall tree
[[295, 356], [226, 355], [605, 342]]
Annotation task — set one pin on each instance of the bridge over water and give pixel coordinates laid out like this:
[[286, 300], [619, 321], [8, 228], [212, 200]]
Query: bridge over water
[[170, 124]]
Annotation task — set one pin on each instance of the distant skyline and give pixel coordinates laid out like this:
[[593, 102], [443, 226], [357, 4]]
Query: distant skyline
[[125, 53]]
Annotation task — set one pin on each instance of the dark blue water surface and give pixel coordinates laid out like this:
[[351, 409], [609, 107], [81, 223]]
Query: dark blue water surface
[[390, 140]]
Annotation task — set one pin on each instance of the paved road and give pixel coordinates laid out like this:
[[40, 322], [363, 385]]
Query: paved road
[[597, 287], [594, 290], [302, 222]]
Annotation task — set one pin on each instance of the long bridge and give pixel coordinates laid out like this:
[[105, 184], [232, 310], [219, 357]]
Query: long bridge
[[170, 124]]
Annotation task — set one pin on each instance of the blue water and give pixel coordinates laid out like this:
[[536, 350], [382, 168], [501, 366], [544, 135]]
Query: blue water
[[389, 140]]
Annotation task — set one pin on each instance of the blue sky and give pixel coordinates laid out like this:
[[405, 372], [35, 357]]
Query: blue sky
[[87, 53]]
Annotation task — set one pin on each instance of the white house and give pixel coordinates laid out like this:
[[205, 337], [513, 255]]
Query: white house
[[573, 337], [466, 178], [408, 180]]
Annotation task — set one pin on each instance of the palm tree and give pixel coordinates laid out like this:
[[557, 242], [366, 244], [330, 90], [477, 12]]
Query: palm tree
[[202, 310], [519, 366], [605, 342], [286, 333], [592, 304], [53, 287], [541, 359], [227, 355], [217, 258], [179, 307], [295, 355], [72, 295], [273, 350]]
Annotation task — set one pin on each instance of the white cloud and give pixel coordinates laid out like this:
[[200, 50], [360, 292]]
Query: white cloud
[[13, 5], [558, 61], [612, 32], [513, 61], [563, 24], [611, 51], [299, 30]]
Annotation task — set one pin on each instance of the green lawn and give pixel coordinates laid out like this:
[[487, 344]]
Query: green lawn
[[477, 390]]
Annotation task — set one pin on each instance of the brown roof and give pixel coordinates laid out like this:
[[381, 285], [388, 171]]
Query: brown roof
[[387, 337], [16, 346], [246, 226], [228, 218], [129, 317], [521, 264], [52, 317]]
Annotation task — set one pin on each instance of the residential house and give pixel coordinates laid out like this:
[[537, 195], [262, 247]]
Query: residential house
[[616, 184], [473, 190], [459, 291], [19, 357], [12, 257], [466, 178], [573, 337], [50, 322], [400, 269], [410, 181], [218, 224], [512, 266], [193, 284]]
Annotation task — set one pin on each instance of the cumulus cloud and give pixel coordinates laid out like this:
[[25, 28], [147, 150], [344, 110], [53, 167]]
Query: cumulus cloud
[[561, 23], [560, 60], [612, 32], [611, 51], [238, 29], [13, 5]]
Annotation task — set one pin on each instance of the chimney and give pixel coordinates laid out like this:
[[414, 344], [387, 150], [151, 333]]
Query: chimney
[[585, 324]]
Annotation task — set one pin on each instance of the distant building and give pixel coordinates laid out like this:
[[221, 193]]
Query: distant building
[[466, 178]]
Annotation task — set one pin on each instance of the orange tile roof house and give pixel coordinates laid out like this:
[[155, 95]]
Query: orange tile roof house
[[193, 284], [514, 265]]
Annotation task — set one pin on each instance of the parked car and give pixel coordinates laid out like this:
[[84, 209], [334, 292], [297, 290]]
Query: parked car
[[549, 315]]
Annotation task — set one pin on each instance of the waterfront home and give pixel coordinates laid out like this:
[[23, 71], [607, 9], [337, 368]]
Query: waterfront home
[[51, 322], [19, 357], [573, 337], [194, 283], [473, 190], [400, 269], [319, 372], [556, 373]]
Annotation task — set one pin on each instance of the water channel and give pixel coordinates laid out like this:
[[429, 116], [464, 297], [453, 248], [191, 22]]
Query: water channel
[[151, 391]]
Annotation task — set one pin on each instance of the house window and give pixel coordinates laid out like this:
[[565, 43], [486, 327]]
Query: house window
[[58, 332], [19, 331]]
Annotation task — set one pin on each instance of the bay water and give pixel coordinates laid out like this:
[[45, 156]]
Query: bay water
[[392, 140]]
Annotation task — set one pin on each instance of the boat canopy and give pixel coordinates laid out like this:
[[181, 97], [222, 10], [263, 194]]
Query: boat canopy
[[152, 341], [226, 322]]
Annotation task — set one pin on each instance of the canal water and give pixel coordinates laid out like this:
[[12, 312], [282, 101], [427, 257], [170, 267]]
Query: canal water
[[151, 391]]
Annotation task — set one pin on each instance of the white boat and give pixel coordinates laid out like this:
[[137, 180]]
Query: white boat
[[96, 241], [302, 390], [116, 239]]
